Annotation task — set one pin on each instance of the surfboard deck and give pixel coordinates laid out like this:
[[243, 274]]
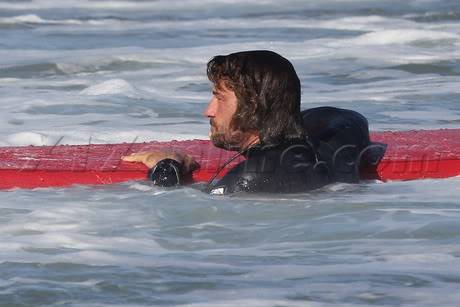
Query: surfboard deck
[[410, 155]]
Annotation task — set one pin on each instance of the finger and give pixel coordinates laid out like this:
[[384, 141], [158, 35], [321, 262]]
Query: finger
[[134, 157], [190, 163], [195, 165], [131, 158]]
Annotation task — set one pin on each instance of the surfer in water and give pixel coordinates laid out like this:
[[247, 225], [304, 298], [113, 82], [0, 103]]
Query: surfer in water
[[255, 111]]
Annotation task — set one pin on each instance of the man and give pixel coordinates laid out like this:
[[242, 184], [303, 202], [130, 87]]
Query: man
[[255, 110]]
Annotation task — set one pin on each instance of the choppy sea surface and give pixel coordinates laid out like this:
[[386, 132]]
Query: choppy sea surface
[[115, 71]]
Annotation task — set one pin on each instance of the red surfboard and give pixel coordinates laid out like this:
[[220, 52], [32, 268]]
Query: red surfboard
[[409, 155]]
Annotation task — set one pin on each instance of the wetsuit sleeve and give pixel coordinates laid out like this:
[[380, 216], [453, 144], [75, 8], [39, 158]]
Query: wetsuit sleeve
[[166, 173]]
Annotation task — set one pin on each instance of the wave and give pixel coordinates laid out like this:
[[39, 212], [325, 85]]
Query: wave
[[28, 138], [47, 69], [146, 5], [435, 16], [443, 68], [111, 87], [32, 19], [80, 135], [355, 23], [35, 19], [388, 37], [332, 5], [31, 71]]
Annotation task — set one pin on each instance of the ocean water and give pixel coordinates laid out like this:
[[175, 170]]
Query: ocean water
[[118, 71]]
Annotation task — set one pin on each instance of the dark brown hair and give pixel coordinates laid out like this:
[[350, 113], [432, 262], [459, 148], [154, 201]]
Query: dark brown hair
[[268, 92]]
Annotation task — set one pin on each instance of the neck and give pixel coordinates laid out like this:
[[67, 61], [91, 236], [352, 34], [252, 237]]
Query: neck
[[251, 140]]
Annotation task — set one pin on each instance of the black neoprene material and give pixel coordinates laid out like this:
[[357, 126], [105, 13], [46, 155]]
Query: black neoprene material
[[333, 152], [291, 167], [166, 173], [341, 139]]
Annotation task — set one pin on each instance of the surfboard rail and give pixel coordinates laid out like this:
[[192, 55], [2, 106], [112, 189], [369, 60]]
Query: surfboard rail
[[410, 155]]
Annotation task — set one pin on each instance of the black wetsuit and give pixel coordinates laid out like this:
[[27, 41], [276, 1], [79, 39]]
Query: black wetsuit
[[334, 151]]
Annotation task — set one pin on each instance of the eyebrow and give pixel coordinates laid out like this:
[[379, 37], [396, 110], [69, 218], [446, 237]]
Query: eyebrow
[[217, 93]]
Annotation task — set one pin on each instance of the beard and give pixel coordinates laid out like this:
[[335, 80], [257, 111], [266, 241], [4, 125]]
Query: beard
[[227, 139]]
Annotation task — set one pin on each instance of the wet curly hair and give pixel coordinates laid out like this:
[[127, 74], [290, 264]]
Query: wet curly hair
[[268, 93]]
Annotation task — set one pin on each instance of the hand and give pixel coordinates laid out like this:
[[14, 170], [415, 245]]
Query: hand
[[151, 158]]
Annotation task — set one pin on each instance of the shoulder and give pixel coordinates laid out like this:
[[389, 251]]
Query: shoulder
[[289, 167]]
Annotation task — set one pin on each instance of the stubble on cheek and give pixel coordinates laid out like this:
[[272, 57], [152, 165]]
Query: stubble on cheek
[[215, 135], [228, 140], [212, 128]]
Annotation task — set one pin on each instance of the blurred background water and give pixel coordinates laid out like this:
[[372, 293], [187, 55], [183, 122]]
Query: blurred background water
[[114, 71]]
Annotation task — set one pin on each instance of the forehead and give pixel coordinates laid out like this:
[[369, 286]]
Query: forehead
[[221, 87]]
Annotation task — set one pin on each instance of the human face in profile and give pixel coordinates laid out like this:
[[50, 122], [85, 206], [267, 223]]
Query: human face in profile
[[220, 111]]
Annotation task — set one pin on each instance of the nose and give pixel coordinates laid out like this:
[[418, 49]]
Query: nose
[[210, 110]]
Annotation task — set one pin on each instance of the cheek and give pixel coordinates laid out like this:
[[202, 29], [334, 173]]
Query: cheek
[[230, 114], [232, 106], [228, 117]]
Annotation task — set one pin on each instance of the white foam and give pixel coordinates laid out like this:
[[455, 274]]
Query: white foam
[[143, 187], [86, 283], [434, 114], [129, 5], [34, 19], [362, 23], [405, 36], [28, 138], [429, 258], [260, 302], [81, 135], [111, 87], [22, 19]]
